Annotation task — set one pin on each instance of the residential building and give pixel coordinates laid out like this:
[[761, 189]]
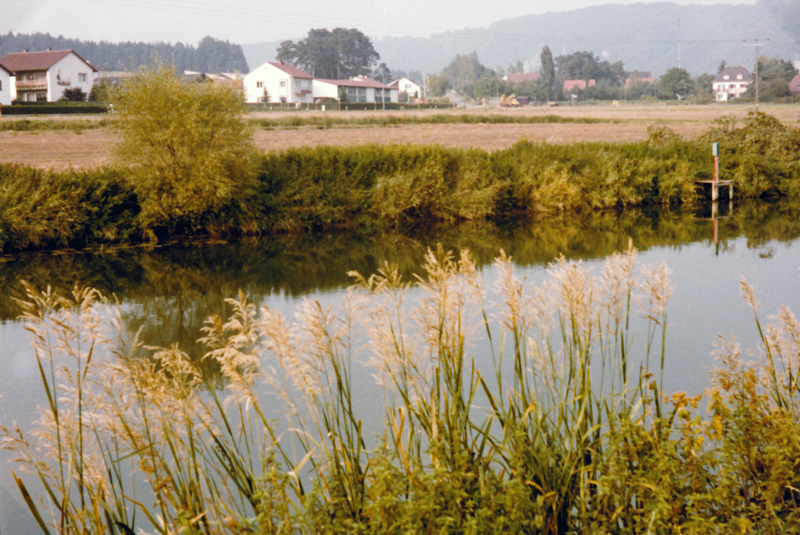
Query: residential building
[[7, 89], [521, 77], [640, 77], [43, 76], [577, 85], [413, 90], [731, 83], [281, 83], [794, 85], [358, 89]]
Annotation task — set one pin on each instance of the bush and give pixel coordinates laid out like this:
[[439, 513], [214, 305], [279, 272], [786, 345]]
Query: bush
[[187, 146]]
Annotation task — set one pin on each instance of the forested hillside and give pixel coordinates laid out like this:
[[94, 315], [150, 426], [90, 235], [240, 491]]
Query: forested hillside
[[210, 55], [642, 36]]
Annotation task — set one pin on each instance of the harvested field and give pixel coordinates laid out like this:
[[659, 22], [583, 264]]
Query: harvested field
[[91, 148]]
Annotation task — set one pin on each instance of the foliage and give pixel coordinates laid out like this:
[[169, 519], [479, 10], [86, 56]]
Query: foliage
[[577, 435], [774, 76], [338, 54], [463, 72], [73, 94], [100, 91], [585, 66], [438, 85], [547, 84], [211, 55], [186, 147], [675, 83]]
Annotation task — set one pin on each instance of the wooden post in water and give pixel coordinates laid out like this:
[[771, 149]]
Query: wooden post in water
[[714, 188]]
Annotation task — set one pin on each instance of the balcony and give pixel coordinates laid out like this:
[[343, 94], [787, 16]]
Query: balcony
[[31, 85]]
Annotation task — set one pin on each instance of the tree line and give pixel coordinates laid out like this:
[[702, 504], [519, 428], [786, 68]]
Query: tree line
[[467, 76], [210, 55]]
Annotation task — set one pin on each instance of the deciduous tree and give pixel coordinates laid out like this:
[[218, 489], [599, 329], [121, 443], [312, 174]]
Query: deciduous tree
[[338, 54], [187, 146]]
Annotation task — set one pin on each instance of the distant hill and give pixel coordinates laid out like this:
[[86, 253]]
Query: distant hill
[[643, 36], [211, 55], [259, 53]]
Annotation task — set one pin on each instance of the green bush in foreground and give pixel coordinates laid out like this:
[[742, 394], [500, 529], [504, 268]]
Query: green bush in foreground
[[185, 146], [568, 432]]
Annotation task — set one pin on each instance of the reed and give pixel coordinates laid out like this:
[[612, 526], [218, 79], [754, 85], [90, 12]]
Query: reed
[[567, 431]]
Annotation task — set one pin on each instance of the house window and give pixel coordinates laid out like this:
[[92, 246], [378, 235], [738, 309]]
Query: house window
[[283, 83], [259, 84], [726, 77], [81, 76], [351, 90], [738, 76], [41, 97]]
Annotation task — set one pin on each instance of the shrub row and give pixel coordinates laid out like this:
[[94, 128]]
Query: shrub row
[[369, 187], [53, 109]]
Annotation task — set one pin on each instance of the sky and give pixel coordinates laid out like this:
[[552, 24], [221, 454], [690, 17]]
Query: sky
[[255, 21]]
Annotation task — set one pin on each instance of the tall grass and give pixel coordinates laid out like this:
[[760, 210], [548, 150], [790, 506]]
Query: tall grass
[[567, 432]]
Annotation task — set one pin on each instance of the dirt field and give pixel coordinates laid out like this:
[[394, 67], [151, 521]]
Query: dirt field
[[91, 148]]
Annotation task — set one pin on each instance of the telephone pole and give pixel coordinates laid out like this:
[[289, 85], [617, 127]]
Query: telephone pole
[[756, 44]]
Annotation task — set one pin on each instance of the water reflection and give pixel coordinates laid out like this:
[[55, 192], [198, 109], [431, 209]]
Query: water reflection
[[169, 291]]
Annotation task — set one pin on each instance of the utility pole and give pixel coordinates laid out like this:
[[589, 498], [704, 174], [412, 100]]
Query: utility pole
[[756, 44], [679, 42]]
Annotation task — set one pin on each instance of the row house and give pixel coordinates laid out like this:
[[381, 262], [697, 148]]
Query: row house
[[43, 76], [281, 83], [731, 83]]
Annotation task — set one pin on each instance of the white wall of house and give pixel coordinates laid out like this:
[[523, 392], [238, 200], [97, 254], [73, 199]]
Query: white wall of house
[[68, 73], [729, 88], [281, 86], [7, 88], [325, 90], [411, 89]]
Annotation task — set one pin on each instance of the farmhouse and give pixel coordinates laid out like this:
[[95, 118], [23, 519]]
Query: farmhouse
[[404, 85], [731, 83], [278, 83], [43, 76], [7, 90], [358, 89]]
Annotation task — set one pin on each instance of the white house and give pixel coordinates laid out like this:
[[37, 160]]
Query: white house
[[358, 89], [283, 83], [43, 76], [410, 88], [7, 89], [731, 83]]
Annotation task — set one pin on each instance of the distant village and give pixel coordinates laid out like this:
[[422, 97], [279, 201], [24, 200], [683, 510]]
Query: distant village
[[57, 75]]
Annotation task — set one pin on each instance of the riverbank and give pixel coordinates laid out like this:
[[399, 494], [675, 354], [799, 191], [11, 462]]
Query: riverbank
[[373, 187]]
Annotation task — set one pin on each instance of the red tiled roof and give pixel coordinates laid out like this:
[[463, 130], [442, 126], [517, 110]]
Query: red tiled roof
[[9, 72], [291, 70], [577, 84], [519, 77], [794, 85], [363, 82], [35, 61]]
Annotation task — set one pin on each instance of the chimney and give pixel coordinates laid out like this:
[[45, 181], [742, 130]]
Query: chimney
[[49, 49], [24, 50]]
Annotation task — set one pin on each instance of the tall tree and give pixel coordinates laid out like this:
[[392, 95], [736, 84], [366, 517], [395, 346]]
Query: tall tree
[[675, 83], [547, 79], [338, 54]]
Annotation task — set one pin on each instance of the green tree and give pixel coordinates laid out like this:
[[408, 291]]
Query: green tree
[[338, 54], [675, 83], [547, 83], [438, 84], [187, 145], [774, 76], [73, 94], [100, 91], [463, 71]]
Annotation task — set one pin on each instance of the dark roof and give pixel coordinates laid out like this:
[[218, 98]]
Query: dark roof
[[9, 72], [361, 82], [519, 77], [733, 75], [36, 61], [291, 70]]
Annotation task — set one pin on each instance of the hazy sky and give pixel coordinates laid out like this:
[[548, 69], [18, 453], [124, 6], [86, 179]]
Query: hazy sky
[[251, 21]]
